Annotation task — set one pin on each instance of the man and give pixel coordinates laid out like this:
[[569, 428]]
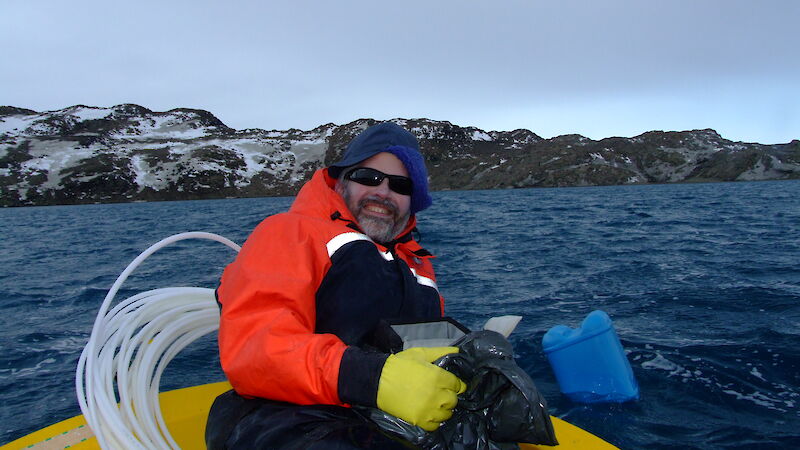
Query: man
[[305, 301]]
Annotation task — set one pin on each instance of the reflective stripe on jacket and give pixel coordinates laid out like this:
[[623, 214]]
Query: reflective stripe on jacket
[[304, 294]]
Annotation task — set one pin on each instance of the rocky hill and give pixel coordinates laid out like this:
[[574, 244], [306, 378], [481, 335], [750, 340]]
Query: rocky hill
[[128, 153]]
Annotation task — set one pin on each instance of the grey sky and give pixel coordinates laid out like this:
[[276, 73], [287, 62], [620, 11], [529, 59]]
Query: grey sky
[[597, 68]]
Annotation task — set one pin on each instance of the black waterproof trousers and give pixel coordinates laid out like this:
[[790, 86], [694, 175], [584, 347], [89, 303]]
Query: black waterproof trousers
[[239, 423]]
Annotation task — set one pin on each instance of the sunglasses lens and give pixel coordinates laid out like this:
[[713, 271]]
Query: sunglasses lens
[[367, 177], [371, 177], [401, 185]]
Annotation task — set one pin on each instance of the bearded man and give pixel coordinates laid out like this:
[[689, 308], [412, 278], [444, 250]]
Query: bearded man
[[303, 302]]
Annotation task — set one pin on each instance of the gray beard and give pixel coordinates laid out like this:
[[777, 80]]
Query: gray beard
[[379, 230]]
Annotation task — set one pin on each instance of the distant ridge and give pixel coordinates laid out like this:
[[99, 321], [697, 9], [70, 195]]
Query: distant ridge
[[84, 154]]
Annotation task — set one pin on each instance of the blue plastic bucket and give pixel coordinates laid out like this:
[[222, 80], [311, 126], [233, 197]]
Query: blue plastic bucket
[[589, 362]]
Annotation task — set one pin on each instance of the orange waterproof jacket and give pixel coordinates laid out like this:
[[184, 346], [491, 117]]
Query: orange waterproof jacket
[[304, 294]]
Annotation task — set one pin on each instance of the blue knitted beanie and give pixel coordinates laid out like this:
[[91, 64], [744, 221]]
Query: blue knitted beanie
[[391, 138], [415, 165]]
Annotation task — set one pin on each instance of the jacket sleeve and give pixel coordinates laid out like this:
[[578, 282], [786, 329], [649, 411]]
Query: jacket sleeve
[[268, 347]]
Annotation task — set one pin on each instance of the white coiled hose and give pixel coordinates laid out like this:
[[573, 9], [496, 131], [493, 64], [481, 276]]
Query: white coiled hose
[[131, 345]]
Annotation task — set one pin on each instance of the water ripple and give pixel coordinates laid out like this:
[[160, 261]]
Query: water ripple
[[702, 282]]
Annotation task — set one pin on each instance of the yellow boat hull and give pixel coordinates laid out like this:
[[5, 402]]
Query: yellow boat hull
[[185, 411]]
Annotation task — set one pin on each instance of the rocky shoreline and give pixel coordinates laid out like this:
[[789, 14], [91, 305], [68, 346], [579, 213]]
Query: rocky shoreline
[[126, 153]]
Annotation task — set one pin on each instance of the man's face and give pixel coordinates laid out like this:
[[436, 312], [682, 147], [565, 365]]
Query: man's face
[[381, 212]]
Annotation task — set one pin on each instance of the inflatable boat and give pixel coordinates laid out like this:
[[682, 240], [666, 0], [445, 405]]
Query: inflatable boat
[[185, 412]]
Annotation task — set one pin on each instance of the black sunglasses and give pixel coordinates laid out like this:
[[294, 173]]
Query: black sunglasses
[[371, 177]]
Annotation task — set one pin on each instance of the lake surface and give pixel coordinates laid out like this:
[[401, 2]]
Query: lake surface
[[702, 282]]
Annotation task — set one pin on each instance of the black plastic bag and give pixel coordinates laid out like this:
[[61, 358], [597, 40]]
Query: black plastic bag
[[500, 408]]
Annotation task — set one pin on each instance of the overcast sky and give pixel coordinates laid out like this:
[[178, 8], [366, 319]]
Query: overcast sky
[[598, 68]]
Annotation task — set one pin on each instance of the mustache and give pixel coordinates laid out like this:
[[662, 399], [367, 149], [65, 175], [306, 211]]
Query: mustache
[[388, 204]]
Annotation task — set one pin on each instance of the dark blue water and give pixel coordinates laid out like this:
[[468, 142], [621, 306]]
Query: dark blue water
[[702, 282]]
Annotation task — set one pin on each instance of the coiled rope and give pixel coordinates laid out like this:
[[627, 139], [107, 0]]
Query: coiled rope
[[131, 345]]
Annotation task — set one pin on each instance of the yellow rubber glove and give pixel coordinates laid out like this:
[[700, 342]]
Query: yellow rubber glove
[[417, 391]]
